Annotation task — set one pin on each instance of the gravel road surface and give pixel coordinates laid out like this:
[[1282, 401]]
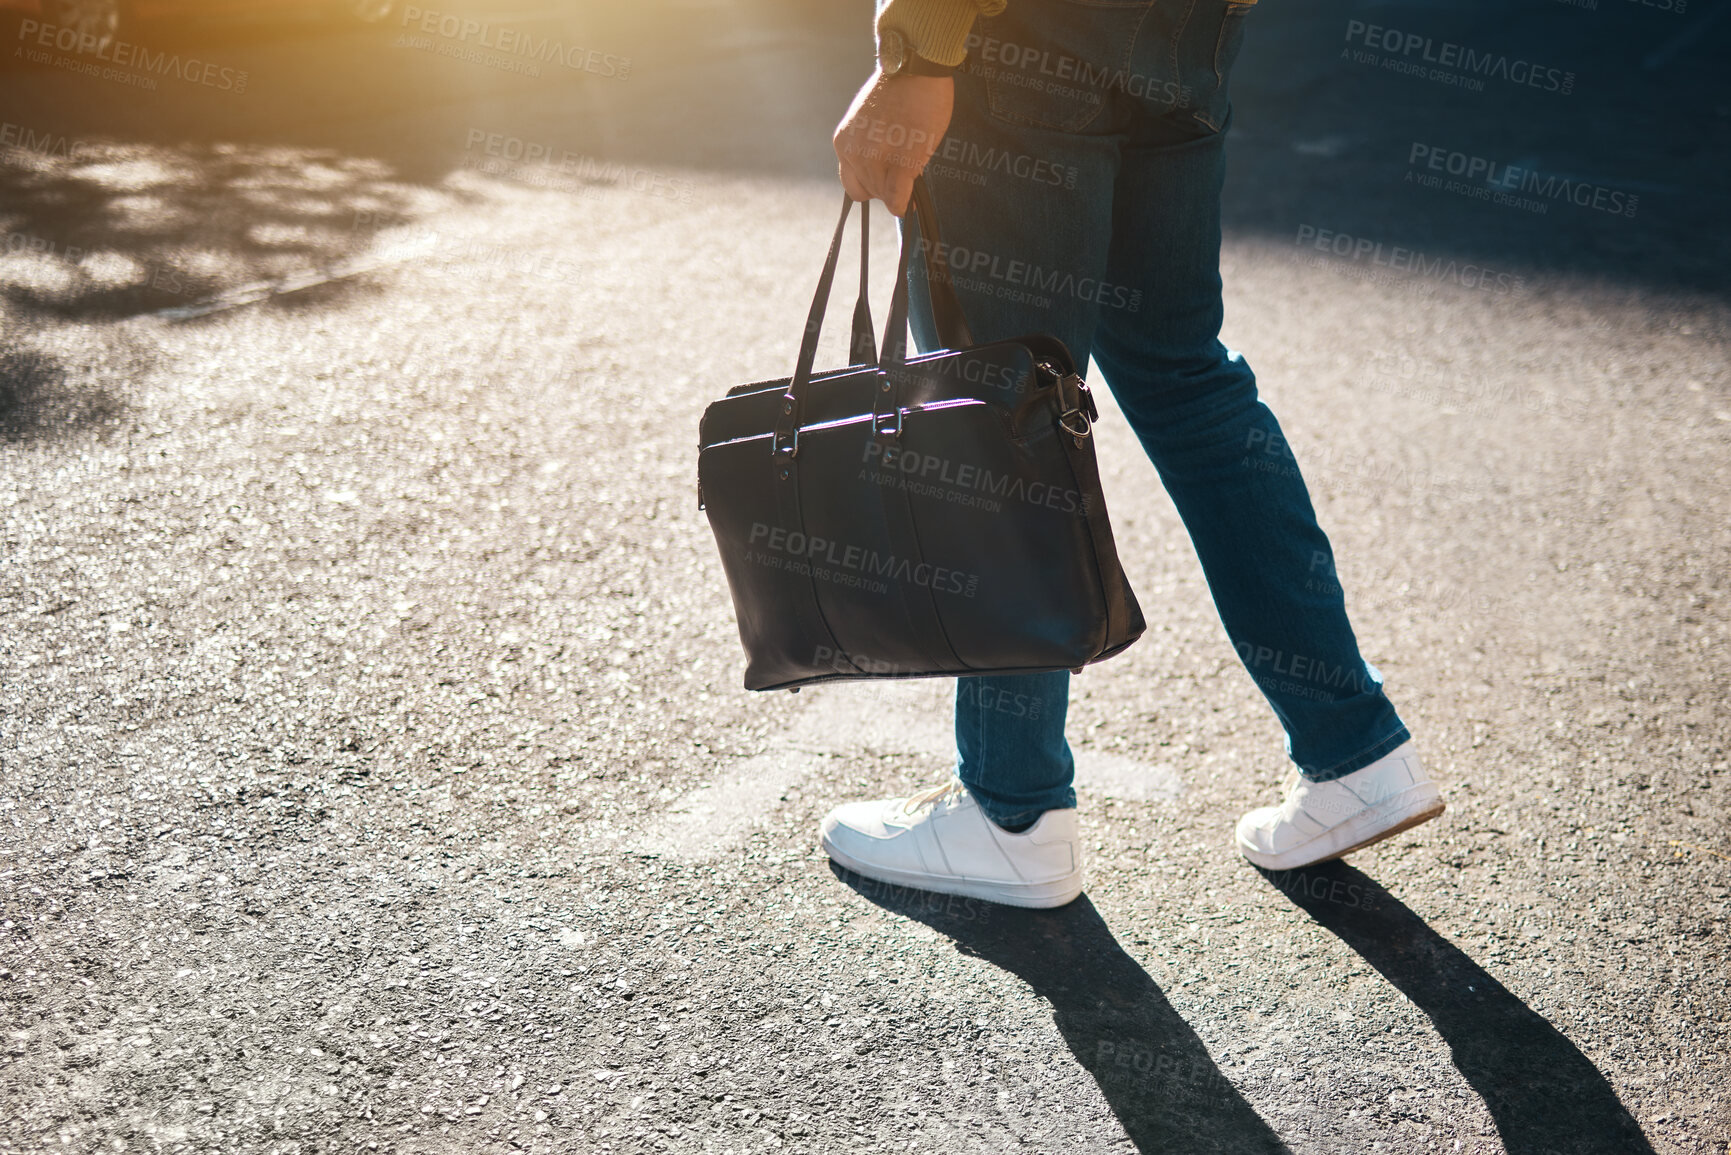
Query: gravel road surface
[[374, 769]]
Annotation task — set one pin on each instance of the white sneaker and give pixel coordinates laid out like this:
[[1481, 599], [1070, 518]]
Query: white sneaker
[[1324, 820], [941, 840]]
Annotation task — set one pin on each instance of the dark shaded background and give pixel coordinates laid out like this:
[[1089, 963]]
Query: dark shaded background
[[338, 127]]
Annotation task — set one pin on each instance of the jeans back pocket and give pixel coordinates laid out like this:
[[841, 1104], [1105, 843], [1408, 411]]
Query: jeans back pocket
[[1231, 38], [1209, 61], [1053, 63]]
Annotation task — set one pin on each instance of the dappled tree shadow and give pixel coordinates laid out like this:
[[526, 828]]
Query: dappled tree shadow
[[36, 400], [122, 229], [117, 201], [321, 141], [124, 201]]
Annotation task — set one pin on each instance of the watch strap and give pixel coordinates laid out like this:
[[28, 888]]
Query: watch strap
[[917, 65], [897, 57]]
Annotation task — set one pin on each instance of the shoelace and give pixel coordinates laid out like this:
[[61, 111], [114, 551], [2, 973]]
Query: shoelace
[[934, 795]]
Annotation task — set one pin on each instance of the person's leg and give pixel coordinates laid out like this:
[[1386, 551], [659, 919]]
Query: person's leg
[[1004, 234], [1223, 459], [1136, 133], [1010, 747], [1024, 202]]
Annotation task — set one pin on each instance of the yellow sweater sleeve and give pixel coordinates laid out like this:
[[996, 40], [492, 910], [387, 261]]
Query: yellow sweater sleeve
[[937, 29]]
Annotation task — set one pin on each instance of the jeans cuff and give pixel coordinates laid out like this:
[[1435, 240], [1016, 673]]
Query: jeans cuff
[[1359, 760], [1020, 815]]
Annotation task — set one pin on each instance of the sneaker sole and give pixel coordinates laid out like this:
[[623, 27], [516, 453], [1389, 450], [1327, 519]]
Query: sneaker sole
[[1034, 895], [1321, 848]]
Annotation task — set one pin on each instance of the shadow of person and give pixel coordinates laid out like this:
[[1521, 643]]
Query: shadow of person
[[1545, 1096], [1155, 1073]]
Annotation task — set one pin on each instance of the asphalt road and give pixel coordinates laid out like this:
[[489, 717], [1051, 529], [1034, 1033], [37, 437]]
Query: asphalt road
[[374, 771]]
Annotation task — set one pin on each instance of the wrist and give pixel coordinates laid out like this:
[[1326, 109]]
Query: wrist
[[937, 30], [914, 83], [899, 56]]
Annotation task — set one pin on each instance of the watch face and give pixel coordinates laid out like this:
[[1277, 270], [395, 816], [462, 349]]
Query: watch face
[[892, 52]]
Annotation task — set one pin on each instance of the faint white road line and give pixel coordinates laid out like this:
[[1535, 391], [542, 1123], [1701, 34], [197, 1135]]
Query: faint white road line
[[907, 717], [1114, 776], [704, 822], [911, 717], [394, 248], [249, 294], [891, 716]]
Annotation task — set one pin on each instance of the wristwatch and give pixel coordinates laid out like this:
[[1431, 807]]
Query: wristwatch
[[896, 57]]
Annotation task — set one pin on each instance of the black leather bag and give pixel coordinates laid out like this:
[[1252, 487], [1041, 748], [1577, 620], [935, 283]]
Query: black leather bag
[[909, 517]]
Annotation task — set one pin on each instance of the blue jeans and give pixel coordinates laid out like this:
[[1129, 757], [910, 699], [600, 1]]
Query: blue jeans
[[1079, 192]]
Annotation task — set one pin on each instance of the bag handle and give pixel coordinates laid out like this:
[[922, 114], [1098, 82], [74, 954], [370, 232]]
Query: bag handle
[[786, 442], [952, 325], [862, 350], [946, 309]]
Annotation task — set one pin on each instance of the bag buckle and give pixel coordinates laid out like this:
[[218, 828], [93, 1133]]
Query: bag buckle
[[1073, 381], [1081, 418], [878, 420], [1085, 394]]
